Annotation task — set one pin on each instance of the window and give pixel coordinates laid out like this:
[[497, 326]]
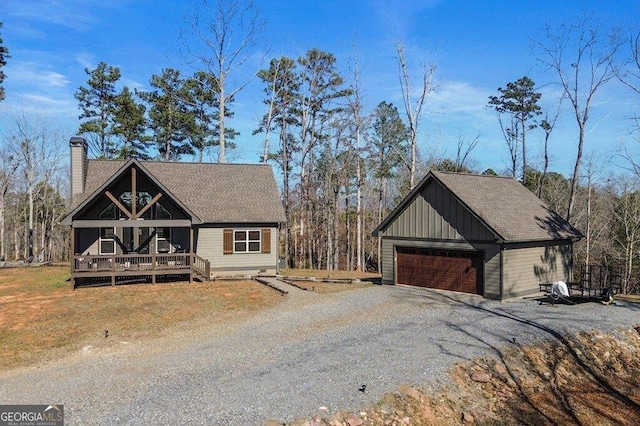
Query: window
[[142, 199], [246, 241], [109, 212], [107, 241], [161, 212], [163, 240]]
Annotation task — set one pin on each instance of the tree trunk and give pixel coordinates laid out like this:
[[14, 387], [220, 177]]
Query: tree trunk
[[221, 121], [576, 174], [30, 231]]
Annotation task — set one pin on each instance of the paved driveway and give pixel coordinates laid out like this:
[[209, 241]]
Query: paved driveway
[[309, 352]]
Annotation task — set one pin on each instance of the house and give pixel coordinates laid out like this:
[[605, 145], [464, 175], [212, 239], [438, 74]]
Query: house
[[134, 219], [485, 235]]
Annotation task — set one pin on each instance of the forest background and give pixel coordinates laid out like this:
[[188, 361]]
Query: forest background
[[351, 104]]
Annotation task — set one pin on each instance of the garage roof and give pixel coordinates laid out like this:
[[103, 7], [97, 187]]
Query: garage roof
[[504, 205]]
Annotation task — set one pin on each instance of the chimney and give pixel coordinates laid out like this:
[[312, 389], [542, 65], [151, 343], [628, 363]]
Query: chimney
[[79, 164]]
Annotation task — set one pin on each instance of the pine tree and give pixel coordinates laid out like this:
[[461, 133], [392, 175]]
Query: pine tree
[[97, 103], [4, 54], [130, 126], [519, 101], [169, 119]]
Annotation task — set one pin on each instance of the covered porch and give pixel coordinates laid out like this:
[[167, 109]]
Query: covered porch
[[123, 250], [122, 267]]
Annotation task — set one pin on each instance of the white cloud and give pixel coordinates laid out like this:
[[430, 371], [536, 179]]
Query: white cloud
[[42, 100], [67, 14], [461, 101], [86, 60], [33, 74]]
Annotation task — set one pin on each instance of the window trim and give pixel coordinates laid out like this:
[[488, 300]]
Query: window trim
[[101, 239], [247, 241], [158, 238]]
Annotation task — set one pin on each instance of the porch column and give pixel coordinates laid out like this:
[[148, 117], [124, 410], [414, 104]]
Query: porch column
[[191, 256], [72, 256]]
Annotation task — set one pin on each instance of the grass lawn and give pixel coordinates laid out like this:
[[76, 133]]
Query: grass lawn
[[42, 318]]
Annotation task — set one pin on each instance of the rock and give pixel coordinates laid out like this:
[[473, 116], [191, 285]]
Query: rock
[[467, 417], [480, 377], [501, 369], [354, 421]]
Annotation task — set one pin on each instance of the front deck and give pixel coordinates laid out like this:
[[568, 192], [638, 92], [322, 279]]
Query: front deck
[[118, 267]]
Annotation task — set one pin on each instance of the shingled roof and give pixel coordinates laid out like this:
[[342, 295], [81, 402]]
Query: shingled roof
[[215, 193], [504, 205]]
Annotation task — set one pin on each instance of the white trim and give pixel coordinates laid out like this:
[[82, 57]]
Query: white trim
[[100, 240], [247, 241], [164, 239]]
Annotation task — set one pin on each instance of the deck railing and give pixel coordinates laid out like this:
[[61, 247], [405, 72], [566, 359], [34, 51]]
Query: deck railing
[[132, 262], [202, 266]]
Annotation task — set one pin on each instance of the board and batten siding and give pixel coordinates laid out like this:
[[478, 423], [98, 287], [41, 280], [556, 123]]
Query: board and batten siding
[[526, 268], [425, 217], [492, 266], [210, 245]]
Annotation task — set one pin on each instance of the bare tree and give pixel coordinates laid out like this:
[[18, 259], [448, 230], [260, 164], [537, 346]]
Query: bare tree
[[226, 31], [413, 108], [465, 148], [547, 124], [582, 57], [9, 165], [360, 122], [35, 142], [627, 217]]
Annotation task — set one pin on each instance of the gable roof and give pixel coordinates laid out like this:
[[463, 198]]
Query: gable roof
[[212, 192], [504, 205]]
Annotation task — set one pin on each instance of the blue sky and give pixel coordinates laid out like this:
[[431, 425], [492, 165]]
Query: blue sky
[[476, 46]]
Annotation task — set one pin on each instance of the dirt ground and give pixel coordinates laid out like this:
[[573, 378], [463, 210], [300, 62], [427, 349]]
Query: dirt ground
[[586, 379], [42, 318]]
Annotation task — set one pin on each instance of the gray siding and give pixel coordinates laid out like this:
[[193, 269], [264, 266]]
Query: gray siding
[[210, 245], [78, 169], [425, 217], [492, 268], [526, 268]]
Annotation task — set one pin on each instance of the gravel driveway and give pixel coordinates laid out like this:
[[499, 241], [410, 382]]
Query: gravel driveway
[[306, 356]]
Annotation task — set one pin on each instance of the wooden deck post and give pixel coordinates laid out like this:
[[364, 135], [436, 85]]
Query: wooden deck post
[[154, 264], [113, 271], [191, 256], [72, 256]]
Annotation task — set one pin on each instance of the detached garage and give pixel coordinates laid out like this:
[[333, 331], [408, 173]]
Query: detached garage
[[476, 234]]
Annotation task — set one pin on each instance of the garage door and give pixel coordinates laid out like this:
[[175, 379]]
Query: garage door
[[441, 269]]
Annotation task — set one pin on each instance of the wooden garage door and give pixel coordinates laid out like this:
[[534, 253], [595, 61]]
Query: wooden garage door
[[441, 269]]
